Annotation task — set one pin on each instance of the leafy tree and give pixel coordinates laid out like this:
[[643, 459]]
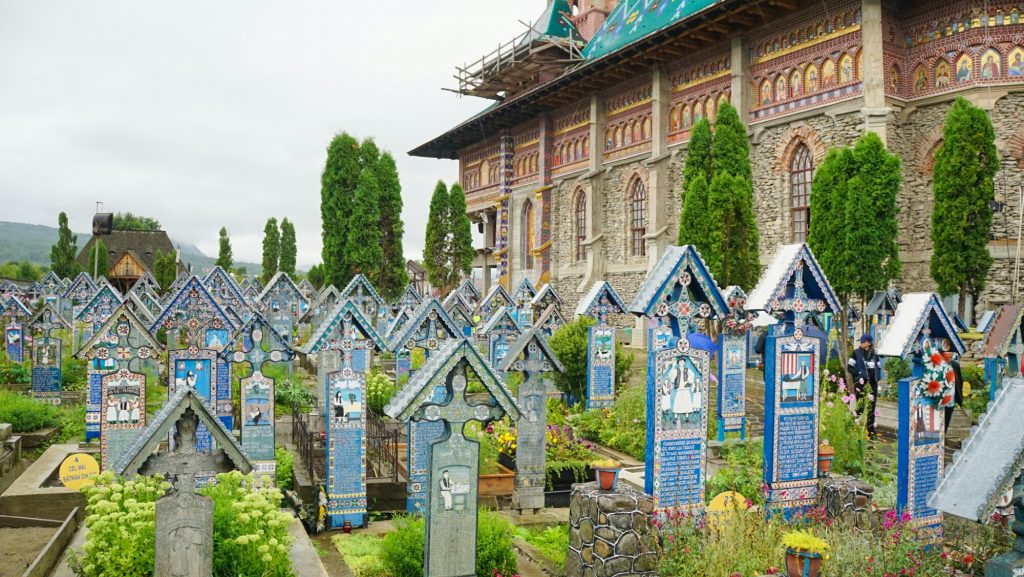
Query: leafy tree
[[63, 254], [693, 222], [393, 277], [963, 185], [315, 275], [224, 256], [165, 269], [733, 234], [21, 270], [871, 227], [364, 247], [271, 249], [288, 248], [828, 217], [337, 187], [98, 258], [460, 249], [435, 248], [129, 221]]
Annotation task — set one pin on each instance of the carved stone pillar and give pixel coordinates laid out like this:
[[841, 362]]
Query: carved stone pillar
[[593, 185], [504, 209], [740, 88], [542, 202], [873, 74]]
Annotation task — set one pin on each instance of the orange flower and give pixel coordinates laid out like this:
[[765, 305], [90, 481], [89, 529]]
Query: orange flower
[[950, 376], [933, 387], [936, 359]]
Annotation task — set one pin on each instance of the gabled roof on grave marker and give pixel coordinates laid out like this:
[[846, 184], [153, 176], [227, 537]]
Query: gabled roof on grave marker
[[287, 284], [958, 322], [884, 302], [457, 307], [501, 318], [9, 286], [220, 276], [255, 282], [397, 323], [55, 317], [193, 283], [103, 282], [918, 311], [307, 289], [175, 288], [418, 318], [552, 313], [160, 425], [235, 303], [12, 302], [51, 284], [467, 287], [435, 372], [410, 297], [524, 292], [325, 333], [664, 274], [985, 322], [600, 289], [82, 281], [137, 328], [141, 310], [147, 280], [1008, 320], [496, 297], [321, 297], [528, 336], [104, 290], [251, 295], [360, 281], [547, 293], [773, 283], [244, 284], [989, 461], [276, 341]]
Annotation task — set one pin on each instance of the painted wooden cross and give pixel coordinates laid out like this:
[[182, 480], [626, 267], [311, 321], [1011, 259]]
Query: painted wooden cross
[[228, 295], [461, 312], [353, 336], [531, 356], [500, 331], [732, 365], [12, 313], [258, 343], [361, 292], [428, 329], [600, 302], [46, 353], [116, 407], [523, 300], [454, 458]]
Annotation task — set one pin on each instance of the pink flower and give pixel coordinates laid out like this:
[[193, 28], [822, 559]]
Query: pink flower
[[878, 412]]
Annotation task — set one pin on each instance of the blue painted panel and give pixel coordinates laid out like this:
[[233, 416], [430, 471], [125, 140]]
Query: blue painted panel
[[600, 366]]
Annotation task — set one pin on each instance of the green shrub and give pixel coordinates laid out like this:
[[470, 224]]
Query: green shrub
[[417, 358], [14, 373], [379, 390], [622, 427], [569, 344], [74, 374], [120, 516], [401, 551], [743, 474], [896, 369], [552, 542], [287, 394], [361, 553], [25, 413], [285, 469]]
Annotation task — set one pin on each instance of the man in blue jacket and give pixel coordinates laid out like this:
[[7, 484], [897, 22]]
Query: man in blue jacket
[[863, 366]]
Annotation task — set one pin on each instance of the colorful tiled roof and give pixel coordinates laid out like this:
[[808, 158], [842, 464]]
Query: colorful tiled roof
[[632, 20], [555, 22]]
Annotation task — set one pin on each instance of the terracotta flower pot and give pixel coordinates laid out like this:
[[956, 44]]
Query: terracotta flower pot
[[826, 454], [606, 478], [802, 563]]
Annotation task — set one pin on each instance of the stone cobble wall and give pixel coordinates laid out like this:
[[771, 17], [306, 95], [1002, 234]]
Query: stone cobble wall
[[611, 533]]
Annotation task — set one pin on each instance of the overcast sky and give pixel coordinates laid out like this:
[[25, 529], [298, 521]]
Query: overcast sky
[[207, 113]]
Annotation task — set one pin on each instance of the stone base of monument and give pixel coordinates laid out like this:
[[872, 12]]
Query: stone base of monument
[[611, 533], [11, 464], [1009, 564], [848, 500]]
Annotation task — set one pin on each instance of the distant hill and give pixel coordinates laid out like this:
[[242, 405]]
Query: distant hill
[[32, 242]]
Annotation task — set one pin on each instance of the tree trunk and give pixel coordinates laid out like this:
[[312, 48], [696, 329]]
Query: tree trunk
[[962, 305], [843, 345]]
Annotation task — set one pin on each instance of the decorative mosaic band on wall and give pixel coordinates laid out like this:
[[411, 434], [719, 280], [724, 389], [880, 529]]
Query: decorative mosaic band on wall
[[507, 148]]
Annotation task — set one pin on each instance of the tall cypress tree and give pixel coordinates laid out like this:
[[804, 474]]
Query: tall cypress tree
[[828, 217], [393, 276], [435, 247], [873, 255], [98, 258], [731, 228], [963, 185], [271, 249], [224, 255], [461, 236], [315, 275], [165, 269], [693, 220], [288, 248], [337, 187], [364, 247], [63, 254]]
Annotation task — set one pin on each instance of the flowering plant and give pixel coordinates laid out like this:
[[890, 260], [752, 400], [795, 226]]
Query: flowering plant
[[805, 541], [938, 381]]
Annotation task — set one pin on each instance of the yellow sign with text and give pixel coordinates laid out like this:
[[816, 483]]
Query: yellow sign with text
[[78, 470]]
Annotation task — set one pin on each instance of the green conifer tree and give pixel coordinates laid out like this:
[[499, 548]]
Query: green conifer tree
[[871, 229], [693, 220], [364, 246], [461, 237], [165, 269], [825, 234], [63, 254], [315, 275], [224, 255], [271, 249], [288, 249], [435, 247], [98, 259], [393, 276], [337, 187], [963, 185]]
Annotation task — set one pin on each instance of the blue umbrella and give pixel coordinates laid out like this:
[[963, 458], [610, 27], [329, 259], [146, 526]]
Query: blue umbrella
[[702, 342]]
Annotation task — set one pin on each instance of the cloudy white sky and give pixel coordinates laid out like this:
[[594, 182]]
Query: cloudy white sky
[[208, 113]]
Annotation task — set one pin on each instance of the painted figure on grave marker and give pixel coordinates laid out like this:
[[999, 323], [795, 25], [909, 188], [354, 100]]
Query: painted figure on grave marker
[[599, 303]]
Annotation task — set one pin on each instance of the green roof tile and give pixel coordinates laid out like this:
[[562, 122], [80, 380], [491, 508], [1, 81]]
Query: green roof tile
[[632, 20]]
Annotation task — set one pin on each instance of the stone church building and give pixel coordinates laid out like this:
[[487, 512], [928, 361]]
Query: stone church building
[[573, 172]]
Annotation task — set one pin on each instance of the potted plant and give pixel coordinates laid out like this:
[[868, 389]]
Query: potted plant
[[804, 553], [606, 473], [826, 454]]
